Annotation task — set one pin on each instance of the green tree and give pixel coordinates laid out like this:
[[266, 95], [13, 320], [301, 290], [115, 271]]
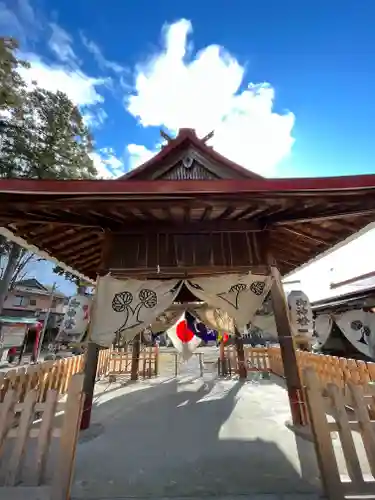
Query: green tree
[[42, 136], [81, 284], [12, 85], [67, 275], [46, 138]]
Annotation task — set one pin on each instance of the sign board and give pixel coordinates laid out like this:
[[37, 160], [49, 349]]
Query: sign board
[[14, 334]]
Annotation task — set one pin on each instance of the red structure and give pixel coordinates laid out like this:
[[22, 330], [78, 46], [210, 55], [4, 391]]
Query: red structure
[[187, 212]]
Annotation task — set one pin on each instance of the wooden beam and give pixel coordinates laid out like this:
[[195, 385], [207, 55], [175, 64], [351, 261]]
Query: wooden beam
[[106, 248], [86, 245], [179, 227], [226, 213], [84, 263], [288, 353], [90, 256], [134, 374], [294, 245], [56, 235], [181, 272], [91, 364], [78, 220], [316, 186], [319, 217], [238, 342], [305, 236], [80, 237], [206, 213], [249, 212], [353, 279], [324, 233]]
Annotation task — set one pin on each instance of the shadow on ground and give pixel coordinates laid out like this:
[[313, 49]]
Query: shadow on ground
[[193, 438]]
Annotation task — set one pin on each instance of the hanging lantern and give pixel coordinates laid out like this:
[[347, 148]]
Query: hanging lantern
[[77, 316], [301, 315]]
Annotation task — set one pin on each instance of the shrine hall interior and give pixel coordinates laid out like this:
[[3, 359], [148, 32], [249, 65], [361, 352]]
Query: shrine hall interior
[[186, 212]]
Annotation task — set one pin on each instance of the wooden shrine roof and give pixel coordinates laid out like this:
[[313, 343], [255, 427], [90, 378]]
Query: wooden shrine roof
[[360, 299], [163, 165], [304, 217]]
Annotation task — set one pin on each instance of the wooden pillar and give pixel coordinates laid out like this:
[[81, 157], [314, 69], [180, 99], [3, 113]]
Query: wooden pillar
[[91, 364], [223, 365], [288, 353], [238, 340], [135, 357]]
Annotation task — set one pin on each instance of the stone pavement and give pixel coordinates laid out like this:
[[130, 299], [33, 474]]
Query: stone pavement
[[193, 438]]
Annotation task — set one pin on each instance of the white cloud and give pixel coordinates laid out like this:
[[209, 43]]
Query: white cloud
[[79, 87], [95, 118], [9, 22], [107, 163], [138, 155], [98, 55], [207, 93], [61, 45], [19, 20]]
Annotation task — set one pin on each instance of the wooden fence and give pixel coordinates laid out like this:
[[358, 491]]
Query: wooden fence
[[329, 369], [120, 361], [170, 363], [27, 434], [40, 378], [331, 409], [256, 359]]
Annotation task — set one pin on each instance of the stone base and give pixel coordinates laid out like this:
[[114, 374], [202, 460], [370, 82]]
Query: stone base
[[25, 493], [302, 431]]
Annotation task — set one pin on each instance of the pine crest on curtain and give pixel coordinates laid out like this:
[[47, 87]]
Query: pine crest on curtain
[[358, 327], [239, 295], [126, 307]]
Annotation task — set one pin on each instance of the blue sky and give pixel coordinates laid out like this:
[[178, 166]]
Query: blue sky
[[287, 85]]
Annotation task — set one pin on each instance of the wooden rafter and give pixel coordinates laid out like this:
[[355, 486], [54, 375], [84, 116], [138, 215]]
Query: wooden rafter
[[189, 225], [305, 236]]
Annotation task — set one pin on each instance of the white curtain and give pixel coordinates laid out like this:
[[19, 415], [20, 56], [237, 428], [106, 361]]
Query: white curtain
[[323, 327], [126, 307], [165, 320], [238, 295], [214, 318], [358, 327], [266, 323]]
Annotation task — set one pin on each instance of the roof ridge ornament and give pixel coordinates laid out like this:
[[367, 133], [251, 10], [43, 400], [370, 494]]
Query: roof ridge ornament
[[208, 136], [165, 136], [185, 132]]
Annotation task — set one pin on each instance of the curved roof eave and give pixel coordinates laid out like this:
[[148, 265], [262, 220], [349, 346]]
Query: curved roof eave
[[33, 249], [328, 252]]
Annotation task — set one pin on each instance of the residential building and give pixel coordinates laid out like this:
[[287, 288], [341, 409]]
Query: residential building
[[30, 298]]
